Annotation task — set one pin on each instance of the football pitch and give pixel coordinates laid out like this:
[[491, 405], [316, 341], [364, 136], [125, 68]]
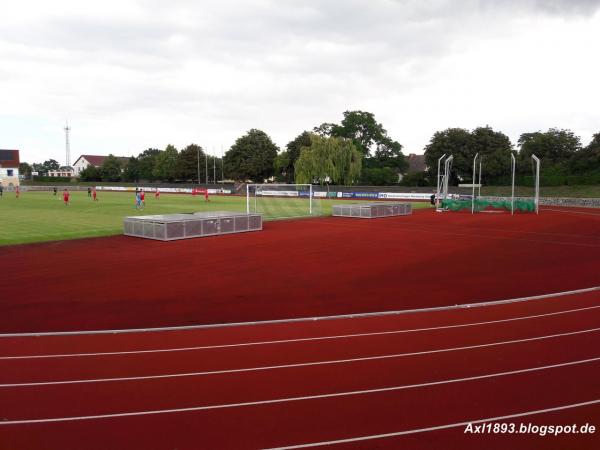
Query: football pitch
[[41, 216]]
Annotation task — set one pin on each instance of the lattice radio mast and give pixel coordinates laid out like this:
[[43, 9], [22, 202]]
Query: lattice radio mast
[[67, 144]]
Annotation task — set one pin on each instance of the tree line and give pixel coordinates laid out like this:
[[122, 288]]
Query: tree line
[[563, 157], [357, 150]]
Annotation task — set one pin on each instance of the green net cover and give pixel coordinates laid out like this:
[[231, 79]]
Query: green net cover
[[481, 205]]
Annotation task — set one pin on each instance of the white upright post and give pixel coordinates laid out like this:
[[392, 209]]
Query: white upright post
[[512, 196], [479, 187], [439, 182], [537, 183], [310, 196], [473, 184], [247, 198], [447, 167]]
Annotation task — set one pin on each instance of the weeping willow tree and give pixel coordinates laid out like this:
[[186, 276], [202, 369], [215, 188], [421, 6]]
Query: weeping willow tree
[[328, 158]]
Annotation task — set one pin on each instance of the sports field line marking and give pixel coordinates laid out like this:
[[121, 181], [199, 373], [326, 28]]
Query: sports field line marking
[[438, 427], [306, 319], [297, 365], [286, 341], [296, 399], [571, 212]]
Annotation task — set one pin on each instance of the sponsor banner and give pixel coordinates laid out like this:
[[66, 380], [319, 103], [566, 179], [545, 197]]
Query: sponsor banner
[[358, 195], [279, 193], [114, 188], [404, 195], [161, 189], [320, 194]]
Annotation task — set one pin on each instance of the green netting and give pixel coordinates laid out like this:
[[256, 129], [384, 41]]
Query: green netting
[[481, 205]]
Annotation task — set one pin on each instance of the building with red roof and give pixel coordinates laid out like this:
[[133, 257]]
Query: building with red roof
[[84, 161], [9, 168]]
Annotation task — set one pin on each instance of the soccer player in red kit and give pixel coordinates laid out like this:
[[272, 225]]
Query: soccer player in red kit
[[206, 195], [66, 197], [143, 197], [94, 194], [18, 191], [157, 194]]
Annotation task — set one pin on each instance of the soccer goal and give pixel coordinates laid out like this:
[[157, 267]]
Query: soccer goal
[[281, 201]]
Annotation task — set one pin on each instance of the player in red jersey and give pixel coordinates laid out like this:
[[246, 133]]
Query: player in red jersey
[[17, 191], [66, 197], [143, 197], [157, 194], [206, 195], [94, 195]]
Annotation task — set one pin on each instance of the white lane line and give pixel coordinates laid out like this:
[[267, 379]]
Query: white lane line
[[307, 364], [307, 319], [439, 427], [572, 212], [297, 399], [286, 341]]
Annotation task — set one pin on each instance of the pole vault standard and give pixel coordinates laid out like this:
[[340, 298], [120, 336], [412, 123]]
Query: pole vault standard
[[439, 182], [443, 179], [513, 163], [536, 161], [473, 183], [447, 167]]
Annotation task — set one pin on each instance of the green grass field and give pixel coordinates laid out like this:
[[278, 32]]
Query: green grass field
[[40, 216]]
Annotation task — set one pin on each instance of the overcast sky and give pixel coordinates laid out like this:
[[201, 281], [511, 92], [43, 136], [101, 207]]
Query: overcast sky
[[129, 75]]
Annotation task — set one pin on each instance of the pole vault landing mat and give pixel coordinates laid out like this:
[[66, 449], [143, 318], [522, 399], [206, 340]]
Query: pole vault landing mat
[[170, 227], [372, 210]]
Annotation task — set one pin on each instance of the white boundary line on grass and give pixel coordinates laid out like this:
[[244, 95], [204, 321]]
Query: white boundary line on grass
[[439, 427], [306, 319], [296, 399], [306, 364], [293, 340]]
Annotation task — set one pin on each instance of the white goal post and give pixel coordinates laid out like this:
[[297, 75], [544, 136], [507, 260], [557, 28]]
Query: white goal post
[[278, 190]]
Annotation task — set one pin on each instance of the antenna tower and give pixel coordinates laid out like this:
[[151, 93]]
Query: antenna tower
[[67, 145]]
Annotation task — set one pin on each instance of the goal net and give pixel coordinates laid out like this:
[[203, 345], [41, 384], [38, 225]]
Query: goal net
[[281, 201]]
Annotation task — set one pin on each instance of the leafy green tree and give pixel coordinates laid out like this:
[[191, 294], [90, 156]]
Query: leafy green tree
[[333, 159], [147, 161], [555, 147], [252, 157], [284, 163], [370, 137], [187, 163], [586, 160], [452, 141], [90, 173], [25, 169], [379, 176], [416, 179], [50, 164], [39, 168], [281, 166], [165, 167], [111, 169], [494, 147], [132, 170], [294, 148]]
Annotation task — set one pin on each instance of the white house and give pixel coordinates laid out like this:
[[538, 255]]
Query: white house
[[9, 168], [84, 161]]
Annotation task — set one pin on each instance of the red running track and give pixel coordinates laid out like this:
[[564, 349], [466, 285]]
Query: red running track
[[369, 382], [293, 269]]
